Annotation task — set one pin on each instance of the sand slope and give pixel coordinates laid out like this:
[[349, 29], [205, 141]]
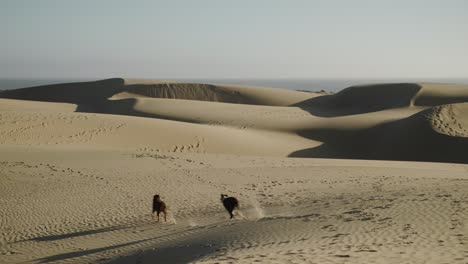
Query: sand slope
[[79, 164], [296, 210]]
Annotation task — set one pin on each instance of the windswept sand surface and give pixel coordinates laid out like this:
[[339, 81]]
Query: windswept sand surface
[[79, 164]]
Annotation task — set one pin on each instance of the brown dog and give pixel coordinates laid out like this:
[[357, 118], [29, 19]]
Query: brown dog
[[158, 207]]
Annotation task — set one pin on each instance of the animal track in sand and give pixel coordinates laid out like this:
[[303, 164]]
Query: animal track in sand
[[281, 113], [148, 150], [356, 214], [233, 123], [444, 119], [50, 128], [43, 177], [195, 147], [154, 156]]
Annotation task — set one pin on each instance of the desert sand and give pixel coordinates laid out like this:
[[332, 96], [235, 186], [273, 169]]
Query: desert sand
[[372, 174]]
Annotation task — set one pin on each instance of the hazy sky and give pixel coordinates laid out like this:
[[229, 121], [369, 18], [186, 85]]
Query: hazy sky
[[234, 39]]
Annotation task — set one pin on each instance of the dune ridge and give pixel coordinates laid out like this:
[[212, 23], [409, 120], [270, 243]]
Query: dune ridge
[[95, 92]]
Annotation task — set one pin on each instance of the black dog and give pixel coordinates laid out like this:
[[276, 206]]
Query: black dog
[[230, 203], [158, 207]]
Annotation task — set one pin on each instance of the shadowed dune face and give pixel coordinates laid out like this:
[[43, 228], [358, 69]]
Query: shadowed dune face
[[362, 99], [88, 93], [435, 134], [377, 97]]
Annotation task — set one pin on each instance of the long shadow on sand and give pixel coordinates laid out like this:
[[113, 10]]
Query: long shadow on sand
[[168, 253], [187, 251], [76, 254], [199, 245], [74, 234]]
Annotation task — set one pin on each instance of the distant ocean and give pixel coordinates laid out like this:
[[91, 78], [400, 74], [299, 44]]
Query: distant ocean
[[330, 85]]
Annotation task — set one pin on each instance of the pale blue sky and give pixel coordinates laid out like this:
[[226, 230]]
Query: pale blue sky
[[234, 39]]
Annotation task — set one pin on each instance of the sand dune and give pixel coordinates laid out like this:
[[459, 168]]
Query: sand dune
[[434, 134], [383, 121], [79, 164], [97, 92], [110, 131], [378, 97]]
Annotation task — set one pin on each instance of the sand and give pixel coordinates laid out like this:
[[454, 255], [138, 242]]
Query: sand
[[372, 174]]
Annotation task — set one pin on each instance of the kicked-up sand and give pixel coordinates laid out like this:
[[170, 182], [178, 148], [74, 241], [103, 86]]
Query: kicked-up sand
[[372, 174]]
